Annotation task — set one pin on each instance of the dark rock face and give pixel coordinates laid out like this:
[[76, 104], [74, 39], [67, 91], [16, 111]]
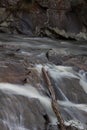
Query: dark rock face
[[31, 17]]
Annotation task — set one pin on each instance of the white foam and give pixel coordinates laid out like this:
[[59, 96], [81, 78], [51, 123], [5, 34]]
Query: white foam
[[57, 72], [82, 107], [83, 80], [60, 72], [84, 85], [26, 53], [13, 126], [75, 123], [30, 92]]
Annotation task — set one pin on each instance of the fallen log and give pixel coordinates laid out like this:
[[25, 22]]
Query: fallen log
[[54, 102]]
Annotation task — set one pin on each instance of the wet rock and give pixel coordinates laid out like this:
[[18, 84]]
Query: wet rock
[[21, 113], [33, 77], [74, 92], [13, 73], [72, 89], [52, 56], [63, 57], [17, 65], [77, 61], [62, 34], [2, 127], [52, 127], [71, 128]]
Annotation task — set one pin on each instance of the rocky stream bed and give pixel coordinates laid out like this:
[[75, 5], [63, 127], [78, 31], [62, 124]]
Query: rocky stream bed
[[26, 27], [25, 102]]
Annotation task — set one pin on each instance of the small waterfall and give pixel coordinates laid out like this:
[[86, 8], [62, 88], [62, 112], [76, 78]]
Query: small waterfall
[[58, 92], [28, 91], [76, 87], [58, 74], [13, 115], [83, 80]]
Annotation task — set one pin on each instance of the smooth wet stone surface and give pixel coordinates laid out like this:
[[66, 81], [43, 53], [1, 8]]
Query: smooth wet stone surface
[[21, 112], [21, 59]]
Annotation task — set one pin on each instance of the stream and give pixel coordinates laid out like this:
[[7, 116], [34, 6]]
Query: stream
[[25, 102]]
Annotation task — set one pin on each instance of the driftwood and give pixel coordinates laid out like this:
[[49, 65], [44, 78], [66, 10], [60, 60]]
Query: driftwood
[[54, 102]]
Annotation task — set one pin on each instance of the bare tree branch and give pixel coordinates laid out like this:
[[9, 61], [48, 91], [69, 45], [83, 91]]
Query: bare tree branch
[[54, 102]]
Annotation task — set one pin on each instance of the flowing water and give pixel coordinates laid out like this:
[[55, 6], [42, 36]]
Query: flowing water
[[70, 87]]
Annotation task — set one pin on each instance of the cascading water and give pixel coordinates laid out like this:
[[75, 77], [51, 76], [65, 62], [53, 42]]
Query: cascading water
[[74, 112], [12, 114], [28, 106]]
